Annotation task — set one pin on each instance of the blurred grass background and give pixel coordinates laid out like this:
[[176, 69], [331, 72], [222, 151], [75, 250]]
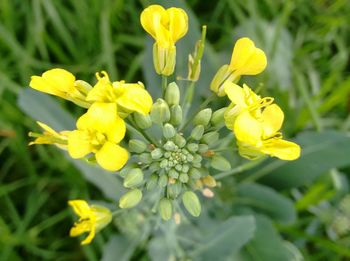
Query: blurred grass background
[[307, 43]]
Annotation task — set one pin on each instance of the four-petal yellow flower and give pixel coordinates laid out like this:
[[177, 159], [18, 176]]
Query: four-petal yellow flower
[[92, 219], [99, 131]]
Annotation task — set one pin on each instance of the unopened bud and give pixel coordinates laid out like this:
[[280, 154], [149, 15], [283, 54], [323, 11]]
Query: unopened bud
[[130, 199], [185, 168], [156, 153], [217, 119], [145, 158], [203, 117], [183, 178], [195, 173], [82, 86], [168, 131], [172, 94], [209, 181], [203, 148], [180, 140], [173, 174], [197, 132], [191, 203], [152, 182], [137, 146], [220, 163], [165, 208], [192, 147], [169, 146], [160, 112], [133, 178], [142, 121], [176, 115], [127, 169], [154, 166], [174, 190], [210, 138], [162, 181]]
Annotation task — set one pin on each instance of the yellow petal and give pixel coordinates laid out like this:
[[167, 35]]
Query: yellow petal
[[103, 89], [282, 149], [272, 119], [235, 93], [246, 58], [247, 129], [79, 144], [151, 18], [90, 237], [116, 131], [111, 156], [103, 216], [135, 98], [56, 82], [178, 23], [230, 115], [80, 207]]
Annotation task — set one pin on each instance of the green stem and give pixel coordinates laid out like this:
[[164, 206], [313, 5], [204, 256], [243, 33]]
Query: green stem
[[140, 133], [164, 84], [188, 99], [117, 212], [239, 169]]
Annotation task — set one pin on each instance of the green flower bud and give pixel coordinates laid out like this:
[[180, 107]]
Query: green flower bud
[[127, 169], [176, 115], [220, 163], [180, 141], [197, 132], [173, 174], [133, 178], [156, 153], [152, 182], [217, 120], [163, 180], [195, 173], [165, 208], [168, 131], [130, 198], [203, 148], [169, 146], [160, 112], [196, 164], [183, 177], [137, 146], [197, 158], [191, 203], [189, 158], [164, 163], [145, 158], [192, 147], [154, 166], [174, 190], [203, 117], [167, 154], [185, 168], [142, 121], [211, 137], [172, 94]]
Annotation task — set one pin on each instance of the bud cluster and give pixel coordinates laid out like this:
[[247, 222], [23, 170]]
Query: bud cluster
[[178, 164]]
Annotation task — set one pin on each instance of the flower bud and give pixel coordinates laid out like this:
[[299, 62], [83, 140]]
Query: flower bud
[[211, 137], [191, 203], [174, 190], [152, 182], [156, 153], [169, 146], [192, 147], [209, 181], [172, 94], [126, 169], [154, 166], [173, 174], [203, 117], [180, 140], [165, 208], [220, 163], [203, 148], [146, 158], [133, 178], [82, 86], [195, 173], [176, 115], [130, 198], [160, 112], [168, 131], [163, 180], [137, 146], [185, 168], [142, 121], [197, 132], [217, 119], [183, 178], [164, 163]]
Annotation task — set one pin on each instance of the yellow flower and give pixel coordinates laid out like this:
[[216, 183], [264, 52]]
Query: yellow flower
[[256, 123], [129, 97], [61, 83], [92, 219], [246, 60], [99, 131], [49, 136], [166, 26]]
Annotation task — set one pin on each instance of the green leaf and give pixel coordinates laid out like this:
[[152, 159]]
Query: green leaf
[[225, 239], [266, 244], [320, 153], [43, 108], [268, 201]]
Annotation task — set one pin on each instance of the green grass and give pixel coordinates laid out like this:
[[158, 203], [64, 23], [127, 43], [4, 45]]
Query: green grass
[[307, 43]]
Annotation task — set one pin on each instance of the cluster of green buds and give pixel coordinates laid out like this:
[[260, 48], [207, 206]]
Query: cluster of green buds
[[174, 166]]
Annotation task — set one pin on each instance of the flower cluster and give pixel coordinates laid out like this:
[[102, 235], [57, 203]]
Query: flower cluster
[[161, 160]]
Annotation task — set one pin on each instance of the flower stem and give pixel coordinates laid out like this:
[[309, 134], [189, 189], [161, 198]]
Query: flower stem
[[164, 84], [130, 127]]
